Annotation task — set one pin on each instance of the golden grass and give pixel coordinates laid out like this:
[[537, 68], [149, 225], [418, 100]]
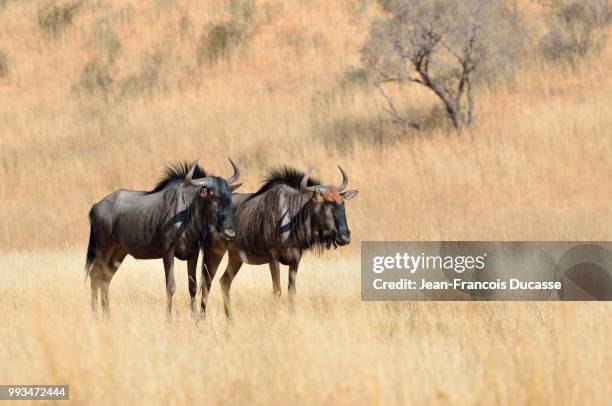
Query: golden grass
[[335, 349], [537, 166]]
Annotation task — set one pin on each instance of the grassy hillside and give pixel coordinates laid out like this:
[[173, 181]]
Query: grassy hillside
[[535, 167], [101, 95]]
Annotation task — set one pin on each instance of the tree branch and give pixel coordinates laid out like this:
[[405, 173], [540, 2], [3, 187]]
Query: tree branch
[[397, 117]]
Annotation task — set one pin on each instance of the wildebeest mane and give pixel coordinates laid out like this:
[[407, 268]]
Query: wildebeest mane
[[259, 232], [284, 175], [175, 172]]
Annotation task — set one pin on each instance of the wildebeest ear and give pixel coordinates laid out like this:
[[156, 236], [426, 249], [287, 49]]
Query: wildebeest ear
[[317, 196], [349, 194], [234, 187]]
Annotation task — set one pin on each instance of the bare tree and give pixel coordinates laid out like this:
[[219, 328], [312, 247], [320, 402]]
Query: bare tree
[[448, 46]]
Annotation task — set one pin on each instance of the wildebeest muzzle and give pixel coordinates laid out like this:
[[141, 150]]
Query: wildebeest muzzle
[[343, 237], [229, 234]]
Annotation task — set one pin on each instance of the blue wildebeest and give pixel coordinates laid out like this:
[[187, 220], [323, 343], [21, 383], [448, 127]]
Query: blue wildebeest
[[289, 214], [172, 220]]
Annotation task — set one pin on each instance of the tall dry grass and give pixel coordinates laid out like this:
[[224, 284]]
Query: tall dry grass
[[537, 166], [334, 350]]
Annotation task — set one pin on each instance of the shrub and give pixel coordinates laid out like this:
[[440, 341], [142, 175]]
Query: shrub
[[220, 40], [185, 27], [354, 78], [436, 118], [272, 11], [345, 133], [4, 65], [576, 28], [242, 10], [95, 78], [105, 41], [54, 17], [148, 78]]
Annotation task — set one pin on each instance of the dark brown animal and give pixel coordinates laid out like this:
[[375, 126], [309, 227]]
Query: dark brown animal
[[172, 220], [291, 213]]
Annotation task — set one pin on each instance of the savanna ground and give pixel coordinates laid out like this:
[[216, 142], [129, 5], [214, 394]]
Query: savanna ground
[[537, 166]]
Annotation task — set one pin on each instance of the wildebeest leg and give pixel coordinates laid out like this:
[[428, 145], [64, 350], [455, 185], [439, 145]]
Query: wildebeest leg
[[293, 268], [275, 272], [170, 285], [192, 264], [108, 270], [210, 263], [94, 280], [233, 266]]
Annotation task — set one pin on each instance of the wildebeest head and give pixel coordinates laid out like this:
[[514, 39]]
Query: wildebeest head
[[329, 216], [216, 196]]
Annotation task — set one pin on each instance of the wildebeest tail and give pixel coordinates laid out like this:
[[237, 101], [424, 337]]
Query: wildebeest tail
[[91, 247]]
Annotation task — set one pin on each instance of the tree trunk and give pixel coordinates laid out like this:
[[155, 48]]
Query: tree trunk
[[452, 106], [470, 106], [454, 111]]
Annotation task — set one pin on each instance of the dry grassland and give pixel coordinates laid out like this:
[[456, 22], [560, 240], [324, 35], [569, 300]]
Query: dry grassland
[[537, 166]]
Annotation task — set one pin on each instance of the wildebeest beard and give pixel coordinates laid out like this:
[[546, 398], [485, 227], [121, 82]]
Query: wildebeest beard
[[307, 238]]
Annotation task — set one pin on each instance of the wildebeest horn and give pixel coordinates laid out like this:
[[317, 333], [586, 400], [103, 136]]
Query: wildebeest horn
[[189, 175], [206, 182], [344, 183], [236, 174], [304, 183]]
